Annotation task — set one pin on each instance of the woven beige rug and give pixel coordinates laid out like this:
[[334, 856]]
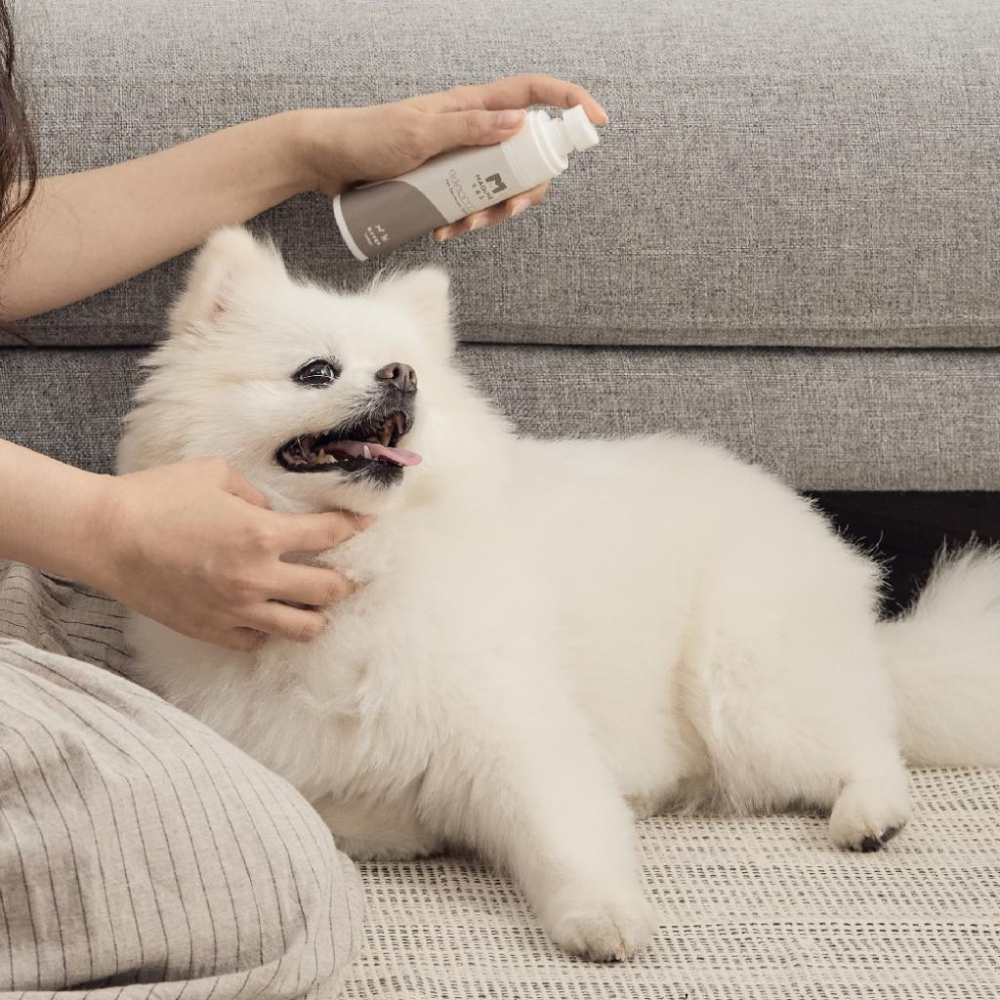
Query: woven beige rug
[[751, 908]]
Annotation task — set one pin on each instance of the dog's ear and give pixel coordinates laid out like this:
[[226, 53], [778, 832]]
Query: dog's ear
[[230, 263], [425, 294]]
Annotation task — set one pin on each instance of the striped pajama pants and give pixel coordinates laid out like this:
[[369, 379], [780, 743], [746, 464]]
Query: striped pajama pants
[[141, 855]]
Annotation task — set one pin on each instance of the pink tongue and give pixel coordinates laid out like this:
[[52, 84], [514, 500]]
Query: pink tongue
[[398, 456]]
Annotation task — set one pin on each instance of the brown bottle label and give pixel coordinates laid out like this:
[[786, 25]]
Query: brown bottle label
[[381, 216]]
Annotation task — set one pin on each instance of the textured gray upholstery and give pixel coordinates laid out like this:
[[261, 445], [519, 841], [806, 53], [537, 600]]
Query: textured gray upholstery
[[776, 172], [822, 419]]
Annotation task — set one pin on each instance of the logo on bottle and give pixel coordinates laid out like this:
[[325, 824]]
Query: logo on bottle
[[497, 182]]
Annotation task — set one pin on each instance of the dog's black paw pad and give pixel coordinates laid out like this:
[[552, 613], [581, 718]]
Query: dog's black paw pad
[[871, 843]]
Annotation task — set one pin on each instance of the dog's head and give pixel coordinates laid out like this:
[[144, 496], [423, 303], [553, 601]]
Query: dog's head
[[316, 396]]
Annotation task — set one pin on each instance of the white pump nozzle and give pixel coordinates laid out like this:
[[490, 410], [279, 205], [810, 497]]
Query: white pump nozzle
[[579, 128], [573, 131]]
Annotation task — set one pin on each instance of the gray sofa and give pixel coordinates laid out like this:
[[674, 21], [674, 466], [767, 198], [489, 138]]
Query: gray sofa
[[786, 242]]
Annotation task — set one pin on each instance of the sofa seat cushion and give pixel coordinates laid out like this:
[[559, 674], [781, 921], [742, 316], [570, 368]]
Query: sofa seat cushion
[[775, 173], [824, 420]]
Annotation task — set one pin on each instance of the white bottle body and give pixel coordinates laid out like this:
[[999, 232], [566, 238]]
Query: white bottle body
[[376, 218]]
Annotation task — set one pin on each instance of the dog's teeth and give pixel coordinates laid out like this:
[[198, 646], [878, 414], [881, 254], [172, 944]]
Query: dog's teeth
[[325, 459], [367, 452]]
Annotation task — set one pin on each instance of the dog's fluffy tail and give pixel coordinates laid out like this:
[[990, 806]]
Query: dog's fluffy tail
[[944, 658]]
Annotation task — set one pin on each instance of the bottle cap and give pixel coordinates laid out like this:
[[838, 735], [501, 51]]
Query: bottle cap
[[579, 128]]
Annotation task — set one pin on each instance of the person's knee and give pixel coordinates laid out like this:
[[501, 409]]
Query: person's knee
[[179, 859]]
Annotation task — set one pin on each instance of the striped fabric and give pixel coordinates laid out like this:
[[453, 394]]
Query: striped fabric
[[140, 854]]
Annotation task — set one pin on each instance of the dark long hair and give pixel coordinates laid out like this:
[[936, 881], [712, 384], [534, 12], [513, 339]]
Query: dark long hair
[[18, 156]]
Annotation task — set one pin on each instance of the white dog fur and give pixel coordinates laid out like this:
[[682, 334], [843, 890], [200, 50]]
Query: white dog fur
[[551, 636]]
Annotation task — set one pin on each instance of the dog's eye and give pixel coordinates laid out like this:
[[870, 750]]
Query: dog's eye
[[316, 374]]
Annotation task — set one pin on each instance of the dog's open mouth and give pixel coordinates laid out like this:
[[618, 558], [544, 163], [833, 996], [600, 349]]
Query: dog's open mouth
[[370, 446]]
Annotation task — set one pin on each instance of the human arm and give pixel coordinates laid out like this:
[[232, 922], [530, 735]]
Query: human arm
[[191, 545], [87, 231]]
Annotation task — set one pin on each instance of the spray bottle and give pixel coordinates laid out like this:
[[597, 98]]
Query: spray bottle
[[375, 218]]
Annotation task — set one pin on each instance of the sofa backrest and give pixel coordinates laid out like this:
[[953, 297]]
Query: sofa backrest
[[775, 172]]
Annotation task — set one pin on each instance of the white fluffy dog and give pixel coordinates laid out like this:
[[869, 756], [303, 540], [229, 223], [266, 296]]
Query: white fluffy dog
[[551, 636]]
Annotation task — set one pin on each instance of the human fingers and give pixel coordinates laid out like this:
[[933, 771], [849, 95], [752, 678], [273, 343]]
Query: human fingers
[[220, 472], [284, 621], [452, 129], [240, 487], [316, 586], [493, 215], [519, 92], [243, 640], [315, 532]]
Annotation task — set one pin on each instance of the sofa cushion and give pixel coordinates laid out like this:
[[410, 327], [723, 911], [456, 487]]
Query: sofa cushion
[[825, 420], [774, 173]]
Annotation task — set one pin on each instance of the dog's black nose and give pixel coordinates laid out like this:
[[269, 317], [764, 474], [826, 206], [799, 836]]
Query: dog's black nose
[[403, 377]]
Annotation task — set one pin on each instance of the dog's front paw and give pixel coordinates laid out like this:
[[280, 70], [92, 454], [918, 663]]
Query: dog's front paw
[[601, 928], [866, 817]]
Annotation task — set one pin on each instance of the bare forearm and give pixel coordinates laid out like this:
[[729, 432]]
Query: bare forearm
[[88, 231], [48, 513]]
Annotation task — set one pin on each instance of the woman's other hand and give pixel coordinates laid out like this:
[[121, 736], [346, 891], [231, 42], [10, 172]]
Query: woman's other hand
[[194, 546]]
